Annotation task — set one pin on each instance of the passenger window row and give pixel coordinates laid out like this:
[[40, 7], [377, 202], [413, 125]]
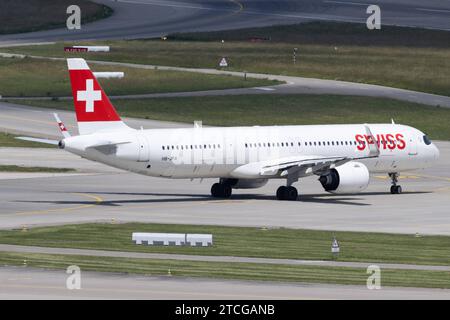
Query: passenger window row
[[307, 143], [192, 147]]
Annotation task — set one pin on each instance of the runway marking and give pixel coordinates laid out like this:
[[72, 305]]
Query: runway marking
[[264, 89], [433, 10], [443, 189], [186, 204], [434, 177], [400, 177], [165, 4], [348, 3], [97, 199]]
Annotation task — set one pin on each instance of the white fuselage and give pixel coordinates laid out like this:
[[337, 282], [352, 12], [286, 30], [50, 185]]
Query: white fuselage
[[239, 152]]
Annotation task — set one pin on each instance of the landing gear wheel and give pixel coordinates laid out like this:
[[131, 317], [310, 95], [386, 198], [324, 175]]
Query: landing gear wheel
[[287, 193], [396, 189], [216, 190], [281, 193], [220, 190], [226, 189], [291, 193]]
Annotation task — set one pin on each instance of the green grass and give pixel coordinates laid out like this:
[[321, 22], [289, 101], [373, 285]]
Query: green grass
[[33, 15], [423, 67], [245, 242], [8, 140], [239, 271], [281, 110], [34, 77], [14, 168], [328, 33]]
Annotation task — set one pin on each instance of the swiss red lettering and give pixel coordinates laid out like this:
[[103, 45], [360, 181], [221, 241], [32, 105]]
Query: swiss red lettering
[[390, 141], [360, 139], [402, 144]]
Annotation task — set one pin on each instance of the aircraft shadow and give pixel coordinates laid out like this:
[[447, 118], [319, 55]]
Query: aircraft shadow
[[353, 200]]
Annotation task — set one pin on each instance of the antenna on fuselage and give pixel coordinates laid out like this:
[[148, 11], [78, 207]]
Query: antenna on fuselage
[[392, 121]]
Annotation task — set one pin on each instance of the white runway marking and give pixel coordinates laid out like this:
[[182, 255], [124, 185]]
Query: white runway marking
[[264, 89], [348, 3], [433, 10]]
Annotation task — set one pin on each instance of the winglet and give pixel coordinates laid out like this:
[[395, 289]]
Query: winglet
[[61, 126], [374, 150]]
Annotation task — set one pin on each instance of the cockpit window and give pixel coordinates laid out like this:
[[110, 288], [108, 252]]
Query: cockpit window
[[426, 140]]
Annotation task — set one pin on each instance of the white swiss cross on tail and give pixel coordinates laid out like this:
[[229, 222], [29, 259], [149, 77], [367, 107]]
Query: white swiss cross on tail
[[93, 109], [89, 95]]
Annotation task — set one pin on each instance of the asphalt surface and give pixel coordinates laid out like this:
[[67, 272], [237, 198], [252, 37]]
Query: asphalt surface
[[154, 18], [101, 193], [225, 259], [126, 197], [29, 283], [98, 194]]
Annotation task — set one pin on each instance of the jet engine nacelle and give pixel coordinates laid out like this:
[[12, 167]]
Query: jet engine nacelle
[[245, 183], [351, 177]]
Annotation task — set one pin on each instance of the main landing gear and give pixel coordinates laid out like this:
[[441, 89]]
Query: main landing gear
[[287, 193], [395, 189], [221, 190]]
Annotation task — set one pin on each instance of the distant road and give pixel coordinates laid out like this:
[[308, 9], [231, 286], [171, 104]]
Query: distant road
[[153, 18]]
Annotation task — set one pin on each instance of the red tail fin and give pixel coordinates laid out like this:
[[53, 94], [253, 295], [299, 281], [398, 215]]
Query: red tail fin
[[92, 106]]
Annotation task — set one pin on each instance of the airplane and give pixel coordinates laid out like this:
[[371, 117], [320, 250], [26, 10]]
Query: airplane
[[341, 156]]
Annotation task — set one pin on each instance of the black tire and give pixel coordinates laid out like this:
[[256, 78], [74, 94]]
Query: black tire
[[226, 191], [216, 190], [393, 189], [396, 189], [291, 193], [281, 193]]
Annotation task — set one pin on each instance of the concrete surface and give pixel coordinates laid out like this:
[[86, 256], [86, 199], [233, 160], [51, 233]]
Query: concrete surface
[[30, 283], [422, 208]]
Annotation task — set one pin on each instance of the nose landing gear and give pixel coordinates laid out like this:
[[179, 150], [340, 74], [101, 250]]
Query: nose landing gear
[[395, 189]]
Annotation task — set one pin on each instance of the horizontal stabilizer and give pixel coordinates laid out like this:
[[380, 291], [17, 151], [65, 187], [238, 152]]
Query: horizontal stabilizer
[[46, 141]]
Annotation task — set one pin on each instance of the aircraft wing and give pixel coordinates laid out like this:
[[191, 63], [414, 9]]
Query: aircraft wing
[[309, 164], [306, 165]]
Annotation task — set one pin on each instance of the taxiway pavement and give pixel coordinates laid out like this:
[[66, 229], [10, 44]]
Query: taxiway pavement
[[30, 283], [155, 18], [422, 208]]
